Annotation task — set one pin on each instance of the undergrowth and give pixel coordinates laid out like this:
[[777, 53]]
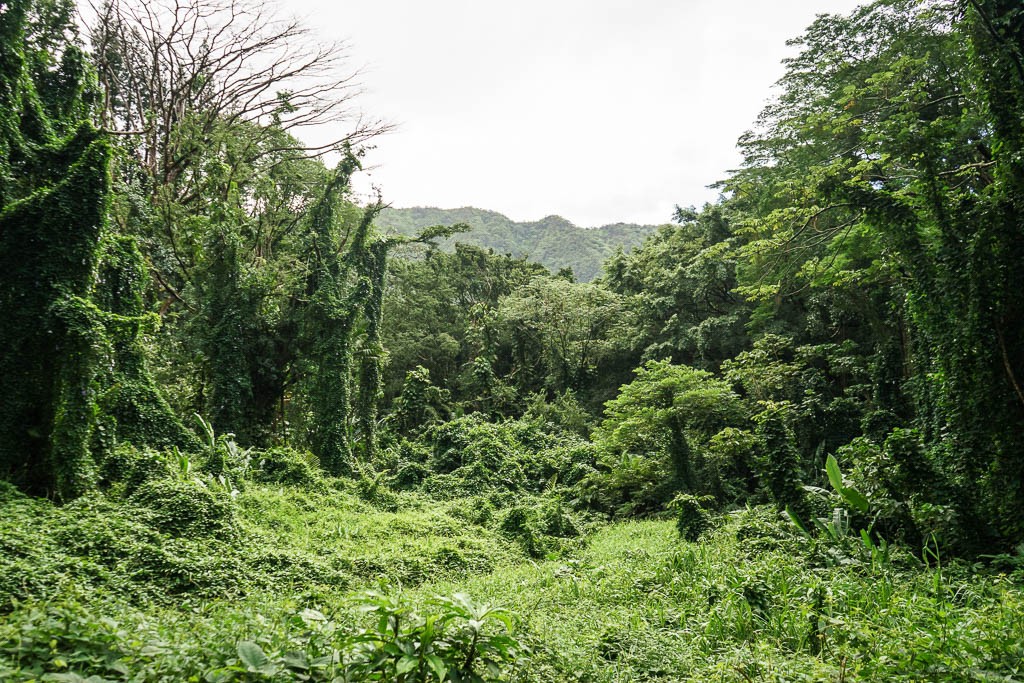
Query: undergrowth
[[277, 573]]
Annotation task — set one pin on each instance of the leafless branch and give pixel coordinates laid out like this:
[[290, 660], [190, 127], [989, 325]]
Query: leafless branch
[[174, 71]]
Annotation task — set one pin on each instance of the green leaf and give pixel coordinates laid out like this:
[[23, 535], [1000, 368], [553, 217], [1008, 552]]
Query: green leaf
[[324, 661], [835, 477], [252, 655], [855, 498], [297, 660], [796, 520], [438, 666], [309, 615], [406, 664], [504, 617]]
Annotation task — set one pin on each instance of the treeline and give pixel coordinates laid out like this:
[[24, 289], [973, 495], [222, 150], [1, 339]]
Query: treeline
[[168, 247], [552, 241], [856, 293]]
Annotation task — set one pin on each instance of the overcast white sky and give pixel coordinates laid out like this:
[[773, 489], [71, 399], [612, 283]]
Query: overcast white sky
[[596, 110]]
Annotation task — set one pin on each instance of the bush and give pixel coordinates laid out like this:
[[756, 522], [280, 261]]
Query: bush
[[762, 529], [410, 475], [729, 465], [692, 518], [537, 527], [655, 433], [453, 642], [374, 490], [477, 510], [185, 508], [287, 466], [131, 467], [563, 415], [630, 485], [778, 462], [202, 567], [476, 455]]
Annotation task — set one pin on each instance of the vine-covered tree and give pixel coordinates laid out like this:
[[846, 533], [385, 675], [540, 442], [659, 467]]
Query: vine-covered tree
[[70, 365], [891, 164]]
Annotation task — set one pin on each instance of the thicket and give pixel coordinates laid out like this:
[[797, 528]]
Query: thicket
[[208, 346], [832, 303]]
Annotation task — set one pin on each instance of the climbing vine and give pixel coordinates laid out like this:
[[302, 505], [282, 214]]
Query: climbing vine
[[70, 299]]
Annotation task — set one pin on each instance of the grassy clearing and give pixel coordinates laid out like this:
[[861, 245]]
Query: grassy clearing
[[408, 542], [641, 605], [632, 602]]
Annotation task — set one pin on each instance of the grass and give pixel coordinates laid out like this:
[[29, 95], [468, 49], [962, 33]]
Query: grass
[[87, 594], [407, 544], [639, 604]]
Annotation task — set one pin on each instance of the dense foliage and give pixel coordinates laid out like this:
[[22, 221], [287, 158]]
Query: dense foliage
[[252, 429]]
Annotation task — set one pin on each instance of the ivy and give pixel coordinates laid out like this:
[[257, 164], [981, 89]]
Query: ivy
[[49, 249], [70, 299]]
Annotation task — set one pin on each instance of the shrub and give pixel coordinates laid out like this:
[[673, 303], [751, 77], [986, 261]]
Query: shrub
[[287, 466], [630, 485], [565, 414], [778, 462], [729, 465], [185, 508], [538, 526], [762, 529], [202, 567], [374, 490], [410, 475], [654, 434], [453, 642], [131, 467], [519, 523], [476, 455], [451, 639], [692, 518]]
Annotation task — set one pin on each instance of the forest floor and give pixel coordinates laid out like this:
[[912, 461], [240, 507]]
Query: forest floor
[[169, 584]]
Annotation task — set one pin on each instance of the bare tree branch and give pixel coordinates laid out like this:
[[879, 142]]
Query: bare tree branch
[[209, 63]]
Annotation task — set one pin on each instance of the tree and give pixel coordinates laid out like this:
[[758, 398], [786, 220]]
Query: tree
[[655, 433], [891, 161], [557, 333], [70, 363], [175, 74], [681, 287], [207, 100], [435, 312]]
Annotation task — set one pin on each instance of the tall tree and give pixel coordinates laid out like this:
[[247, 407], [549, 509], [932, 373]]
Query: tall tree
[[889, 161], [206, 100], [68, 347]]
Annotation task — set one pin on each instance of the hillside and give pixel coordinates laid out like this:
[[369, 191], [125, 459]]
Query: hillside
[[552, 241]]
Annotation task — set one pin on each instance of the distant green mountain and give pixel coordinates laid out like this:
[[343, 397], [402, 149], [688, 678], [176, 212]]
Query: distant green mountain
[[552, 241]]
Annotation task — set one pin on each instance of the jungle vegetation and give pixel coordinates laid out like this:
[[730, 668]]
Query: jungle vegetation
[[250, 433]]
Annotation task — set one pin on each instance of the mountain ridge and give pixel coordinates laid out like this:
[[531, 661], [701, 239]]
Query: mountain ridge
[[553, 241]]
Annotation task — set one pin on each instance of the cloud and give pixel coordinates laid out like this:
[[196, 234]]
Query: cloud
[[599, 111]]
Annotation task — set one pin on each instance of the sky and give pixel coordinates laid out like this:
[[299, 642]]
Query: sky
[[600, 111]]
